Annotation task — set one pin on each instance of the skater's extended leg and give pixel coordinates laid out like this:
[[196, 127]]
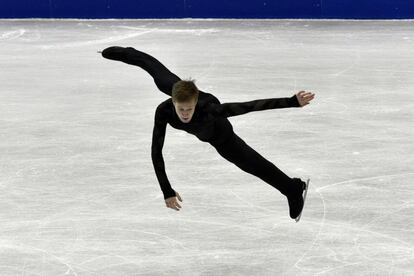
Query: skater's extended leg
[[243, 156], [163, 78]]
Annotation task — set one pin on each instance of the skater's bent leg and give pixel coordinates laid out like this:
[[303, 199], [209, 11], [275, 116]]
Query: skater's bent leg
[[163, 78]]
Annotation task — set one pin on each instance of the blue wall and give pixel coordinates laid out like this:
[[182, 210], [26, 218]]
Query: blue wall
[[347, 9]]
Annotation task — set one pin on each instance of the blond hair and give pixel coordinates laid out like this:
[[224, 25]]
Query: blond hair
[[184, 91]]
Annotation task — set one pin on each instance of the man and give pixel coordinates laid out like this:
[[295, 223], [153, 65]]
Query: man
[[202, 114]]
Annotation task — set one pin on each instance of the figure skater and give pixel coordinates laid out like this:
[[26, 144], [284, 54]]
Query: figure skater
[[202, 114]]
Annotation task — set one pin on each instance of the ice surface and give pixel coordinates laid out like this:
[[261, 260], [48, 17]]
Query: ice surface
[[78, 194]]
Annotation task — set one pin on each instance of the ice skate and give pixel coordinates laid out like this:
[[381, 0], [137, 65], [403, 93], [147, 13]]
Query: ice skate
[[113, 52], [296, 203]]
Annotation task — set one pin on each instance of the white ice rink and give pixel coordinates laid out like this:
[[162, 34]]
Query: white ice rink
[[78, 192]]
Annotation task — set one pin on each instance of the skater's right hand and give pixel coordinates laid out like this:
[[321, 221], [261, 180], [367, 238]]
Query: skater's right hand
[[172, 202]]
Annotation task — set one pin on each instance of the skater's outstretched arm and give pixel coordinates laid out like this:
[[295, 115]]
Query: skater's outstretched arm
[[158, 136], [239, 108]]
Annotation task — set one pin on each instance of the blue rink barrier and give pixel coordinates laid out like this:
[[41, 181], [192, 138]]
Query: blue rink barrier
[[306, 9]]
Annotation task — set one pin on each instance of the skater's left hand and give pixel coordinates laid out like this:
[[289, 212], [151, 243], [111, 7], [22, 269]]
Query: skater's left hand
[[304, 97]]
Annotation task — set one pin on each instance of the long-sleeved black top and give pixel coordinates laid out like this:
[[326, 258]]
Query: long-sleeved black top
[[209, 123]]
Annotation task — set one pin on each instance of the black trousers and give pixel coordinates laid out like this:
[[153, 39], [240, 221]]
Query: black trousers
[[234, 149]]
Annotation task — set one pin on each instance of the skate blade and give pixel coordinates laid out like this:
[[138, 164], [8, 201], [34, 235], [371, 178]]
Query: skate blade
[[304, 199]]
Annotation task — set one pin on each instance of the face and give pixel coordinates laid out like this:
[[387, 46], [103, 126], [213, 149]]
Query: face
[[185, 110]]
